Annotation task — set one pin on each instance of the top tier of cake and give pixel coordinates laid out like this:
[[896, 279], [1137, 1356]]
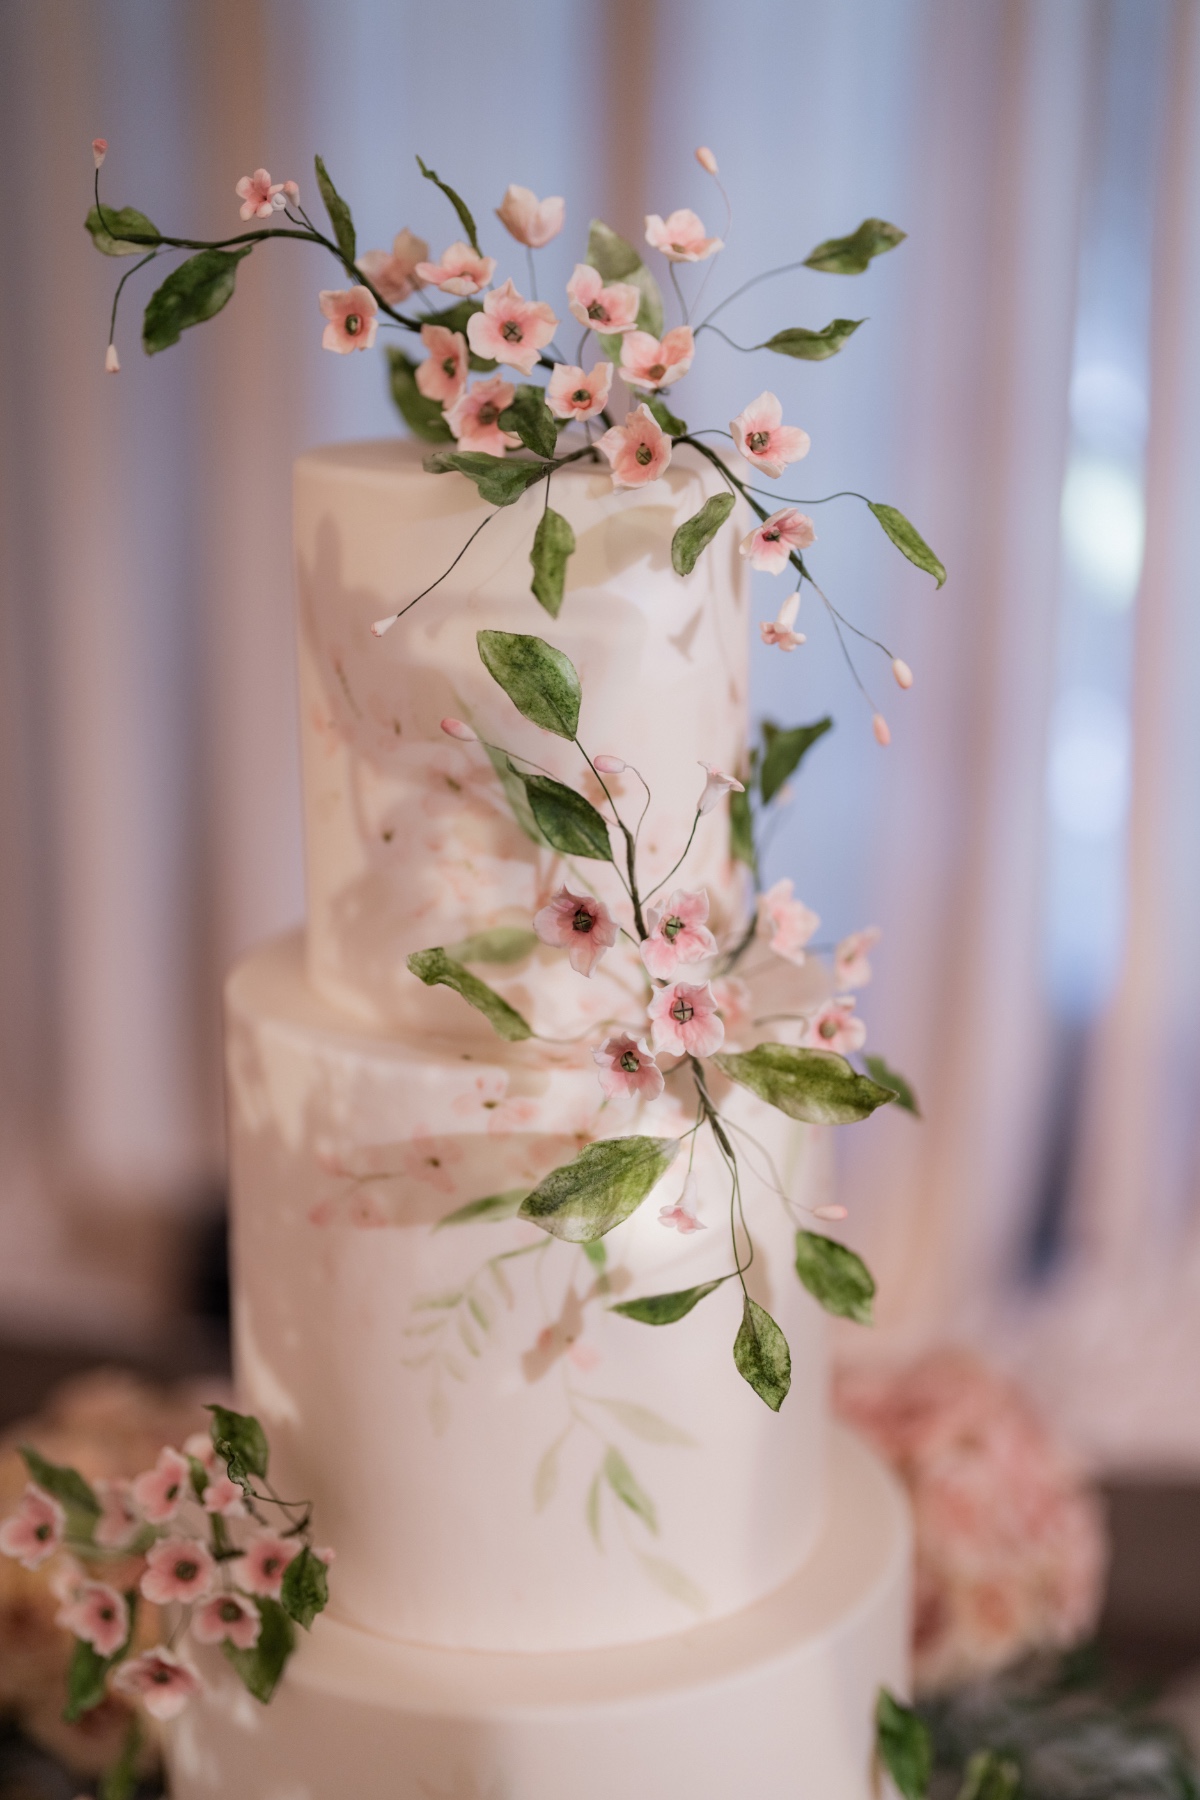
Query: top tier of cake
[[410, 840]]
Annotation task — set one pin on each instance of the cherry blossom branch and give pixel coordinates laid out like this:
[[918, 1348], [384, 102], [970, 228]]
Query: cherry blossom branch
[[679, 863], [767, 275]]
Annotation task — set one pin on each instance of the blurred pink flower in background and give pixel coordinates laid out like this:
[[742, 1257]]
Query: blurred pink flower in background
[[227, 1618], [393, 273], [35, 1530], [459, 270], [788, 921], [850, 966], [99, 1615], [443, 375], [162, 1683], [835, 1027], [159, 1491]]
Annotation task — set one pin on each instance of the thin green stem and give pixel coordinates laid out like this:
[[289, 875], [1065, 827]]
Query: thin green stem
[[630, 846], [679, 863], [767, 275]]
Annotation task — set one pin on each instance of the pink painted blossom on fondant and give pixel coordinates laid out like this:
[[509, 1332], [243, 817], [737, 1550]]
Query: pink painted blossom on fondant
[[835, 1027], [627, 1068], [474, 417], [177, 1569], [34, 1532], [530, 220], [579, 924], [680, 236], [352, 319], [119, 1521], [717, 784], [160, 1680], [259, 195], [788, 923], [260, 1570], [764, 440], [733, 1003], [159, 1492], [570, 394], [611, 310], [682, 1215], [511, 329], [770, 544], [686, 1020], [638, 451], [227, 1619], [650, 362], [99, 1615], [393, 273], [443, 374], [678, 933], [780, 631], [850, 966], [459, 270]]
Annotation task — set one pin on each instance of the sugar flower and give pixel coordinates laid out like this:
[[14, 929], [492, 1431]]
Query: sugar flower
[[570, 394], [227, 1619], [763, 439], [177, 1568], [780, 631], [579, 924], [459, 270], [682, 1216], [608, 765], [224, 1497], [883, 734], [260, 1570], [706, 159], [530, 220], [259, 195], [627, 1067], [99, 1615], [717, 785], [770, 544], [393, 273], [159, 1492], [456, 729], [353, 319], [834, 1027], [112, 362], [120, 1520], [850, 966], [35, 1530], [474, 417], [162, 1683], [511, 329], [733, 1003], [686, 1020], [639, 450], [788, 922], [443, 375], [678, 934], [650, 362], [611, 310], [99, 151], [199, 1446], [680, 236]]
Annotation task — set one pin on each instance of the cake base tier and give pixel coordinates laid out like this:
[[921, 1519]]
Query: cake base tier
[[777, 1700]]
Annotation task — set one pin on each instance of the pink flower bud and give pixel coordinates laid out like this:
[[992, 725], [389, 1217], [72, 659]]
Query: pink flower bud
[[902, 672], [99, 150], [112, 362], [383, 625], [829, 1212], [292, 190], [456, 729], [608, 765], [879, 726], [706, 159]]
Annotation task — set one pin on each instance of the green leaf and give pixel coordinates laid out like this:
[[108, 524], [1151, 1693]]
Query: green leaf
[[674, 1582], [553, 548], [818, 1086], [783, 750], [660, 411], [532, 420], [643, 1423], [305, 1590], [87, 1680], [903, 1745], [540, 681], [761, 1354], [696, 533], [494, 1206], [851, 255], [664, 1309], [65, 1484], [908, 540], [261, 1667], [568, 823], [813, 346], [195, 291], [460, 206], [424, 417], [624, 1484], [835, 1276], [990, 1776], [604, 1184], [545, 1476], [617, 260], [741, 830], [596, 1254], [518, 799], [108, 232], [436, 969], [198, 1476], [502, 944], [891, 1078], [499, 481], [240, 1441], [339, 212]]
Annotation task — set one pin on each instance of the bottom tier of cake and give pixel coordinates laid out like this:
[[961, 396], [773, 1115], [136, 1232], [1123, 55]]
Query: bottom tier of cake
[[776, 1700]]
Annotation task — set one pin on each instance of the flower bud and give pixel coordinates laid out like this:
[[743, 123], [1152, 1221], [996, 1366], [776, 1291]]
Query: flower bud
[[383, 625], [830, 1212], [456, 729], [112, 363], [879, 726], [608, 765], [99, 150], [706, 159], [902, 672]]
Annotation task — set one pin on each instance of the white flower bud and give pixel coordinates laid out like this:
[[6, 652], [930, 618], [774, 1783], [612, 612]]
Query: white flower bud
[[608, 765], [829, 1212], [112, 362]]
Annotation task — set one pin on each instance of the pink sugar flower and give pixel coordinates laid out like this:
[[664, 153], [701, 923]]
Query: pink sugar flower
[[639, 450], [682, 1216], [227, 1619], [651, 362], [393, 273], [511, 329], [260, 1570], [578, 924], [99, 151], [706, 159], [459, 270], [570, 394], [199, 1445], [835, 1027], [612, 310], [353, 319], [678, 933], [178, 1568], [259, 195], [112, 362], [686, 1020], [780, 631], [680, 236], [119, 1521], [99, 1615], [530, 220], [626, 1067], [788, 921], [765, 442], [224, 1497], [474, 417], [160, 1490], [882, 730], [770, 544], [850, 966], [716, 786], [35, 1530], [902, 673], [733, 1003], [443, 376], [162, 1683]]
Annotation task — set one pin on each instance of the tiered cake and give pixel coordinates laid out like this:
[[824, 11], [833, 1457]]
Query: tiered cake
[[575, 1553]]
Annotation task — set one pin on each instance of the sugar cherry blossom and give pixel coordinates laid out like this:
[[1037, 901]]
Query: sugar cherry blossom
[[530, 220], [579, 924], [353, 319], [788, 922], [177, 1568], [34, 1532], [511, 329], [159, 1492], [112, 362], [835, 1027], [199, 1446], [770, 544], [99, 151], [119, 1521], [639, 450], [678, 933], [682, 1216], [764, 440], [850, 966], [260, 1570], [474, 417], [650, 362], [626, 1067], [99, 1615], [680, 236], [611, 310], [779, 630], [259, 195], [716, 786], [224, 1497], [733, 1003], [160, 1680], [443, 375], [459, 270], [393, 273], [686, 1020], [570, 394], [227, 1619]]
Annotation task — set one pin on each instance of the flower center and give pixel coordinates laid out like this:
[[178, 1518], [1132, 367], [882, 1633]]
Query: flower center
[[353, 324], [107, 1614], [680, 248], [270, 1565], [643, 455], [672, 927], [630, 1062], [41, 1533], [172, 1490], [583, 920], [488, 414], [827, 1028], [581, 396], [511, 331], [758, 441], [185, 1571], [773, 536], [449, 366], [231, 1612], [656, 371], [596, 311], [161, 1677], [681, 1012]]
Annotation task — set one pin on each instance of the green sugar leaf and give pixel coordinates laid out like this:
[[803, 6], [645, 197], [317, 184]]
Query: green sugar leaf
[[192, 293], [499, 481], [460, 206], [851, 255], [761, 1354], [664, 1309], [835, 1276], [424, 417], [567, 822], [741, 830], [660, 411], [518, 800], [908, 540], [305, 1590], [540, 681], [903, 1745], [783, 751], [624, 1484], [339, 212], [696, 533], [502, 944], [553, 548], [87, 1680], [990, 1776], [109, 226], [615, 259], [494, 1206], [604, 1184], [818, 1086], [813, 346], [240, 1441], [261, 1667], [891, 1078], [436, 969], [532, 420], [66, 1485]]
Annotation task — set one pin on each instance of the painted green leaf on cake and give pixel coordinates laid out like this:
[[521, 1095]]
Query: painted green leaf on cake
[[532, 420], [261, 1667], [493, 1206], [783, 752], [499, 944], [664, 1309], [818, 1086], [761, 1354], [592, 1510], [540, 681], [240, 1441], [305, 1590], [568, 822], [108, 228], [615, 259], [629, 1491], [195, 291], [813, 346], [67, 1485], [643, 1423], [424, 417], [891, 1078], [605, 1183], [500, 480], [696, 533], [903, 1745], [673, 1581], [741, 830], [990, 1775], [908, 540], [436, 969], [545, 1476], [851, 255], [460, 206], [553, 548], [835, 1276], [339, 212], [660, 411]]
